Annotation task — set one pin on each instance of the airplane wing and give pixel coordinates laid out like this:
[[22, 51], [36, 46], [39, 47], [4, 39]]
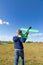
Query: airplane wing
[[30, 30]]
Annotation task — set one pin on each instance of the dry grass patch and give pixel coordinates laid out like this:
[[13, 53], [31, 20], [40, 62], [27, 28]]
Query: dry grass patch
[[33, 53]]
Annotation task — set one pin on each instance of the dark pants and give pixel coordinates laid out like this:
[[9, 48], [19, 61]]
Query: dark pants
[[18, 53]]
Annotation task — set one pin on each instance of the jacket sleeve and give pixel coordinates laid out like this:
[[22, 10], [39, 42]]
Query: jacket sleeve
[[15, 39], [23, 40]]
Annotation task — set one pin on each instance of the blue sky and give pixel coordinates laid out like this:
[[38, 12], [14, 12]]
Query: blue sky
[[15, 14]]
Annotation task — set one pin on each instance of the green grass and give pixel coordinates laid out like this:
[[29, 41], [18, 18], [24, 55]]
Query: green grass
[[33, 53]]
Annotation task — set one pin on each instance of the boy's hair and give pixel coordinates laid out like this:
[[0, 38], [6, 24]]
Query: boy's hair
[[19, 31]]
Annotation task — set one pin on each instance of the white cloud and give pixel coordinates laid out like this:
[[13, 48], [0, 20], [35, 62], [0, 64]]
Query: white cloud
[[6, 38], [41, 38], [36, 37], [7, 23], [36, 34], [3, 22]]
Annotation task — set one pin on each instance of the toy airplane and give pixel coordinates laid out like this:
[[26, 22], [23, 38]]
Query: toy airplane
[[27, 31]]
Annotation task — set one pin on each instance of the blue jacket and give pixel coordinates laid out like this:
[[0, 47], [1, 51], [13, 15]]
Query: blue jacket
[[18, 42]]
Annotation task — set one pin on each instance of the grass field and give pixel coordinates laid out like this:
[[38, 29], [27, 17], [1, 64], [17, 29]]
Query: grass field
[[33, 53]]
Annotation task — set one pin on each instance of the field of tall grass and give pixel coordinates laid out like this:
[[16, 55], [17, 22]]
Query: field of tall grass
[[33, 53]]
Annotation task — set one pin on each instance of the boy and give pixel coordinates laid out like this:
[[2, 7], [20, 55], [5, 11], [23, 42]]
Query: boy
[[18, 47]]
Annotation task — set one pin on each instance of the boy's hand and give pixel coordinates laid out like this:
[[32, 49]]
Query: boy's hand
[[27, 33]]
